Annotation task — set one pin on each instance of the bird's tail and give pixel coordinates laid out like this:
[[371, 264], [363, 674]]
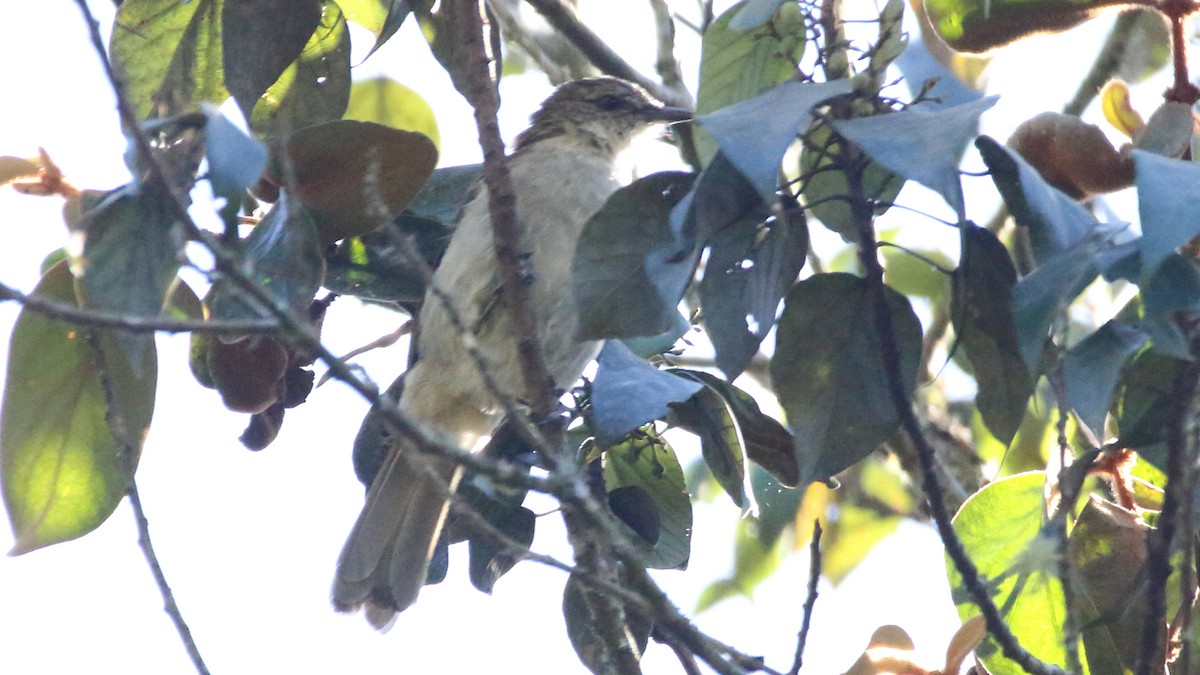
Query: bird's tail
[[386, 558]]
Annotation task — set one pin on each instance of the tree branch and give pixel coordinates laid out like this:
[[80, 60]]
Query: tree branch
[[814, 576], [563, 18]]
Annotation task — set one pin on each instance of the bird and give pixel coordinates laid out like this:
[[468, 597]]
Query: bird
[[563, 169]]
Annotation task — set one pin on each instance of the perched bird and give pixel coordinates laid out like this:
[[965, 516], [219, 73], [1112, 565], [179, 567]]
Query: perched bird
[[562, 172]]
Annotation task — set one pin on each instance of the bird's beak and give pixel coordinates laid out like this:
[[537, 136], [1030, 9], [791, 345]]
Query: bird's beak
[[668, 114]]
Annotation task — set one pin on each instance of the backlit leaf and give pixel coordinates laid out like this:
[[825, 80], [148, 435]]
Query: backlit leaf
[[1000, 528], [645, 460], [386, 101], [62, 451]]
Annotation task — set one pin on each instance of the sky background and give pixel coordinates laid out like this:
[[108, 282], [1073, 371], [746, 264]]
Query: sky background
[[248, 540]]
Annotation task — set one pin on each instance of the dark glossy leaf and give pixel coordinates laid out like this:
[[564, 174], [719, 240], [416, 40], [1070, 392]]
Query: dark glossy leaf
[[744, 51], [385, 101], [488, 559], [999, 527], [980, 25], [650, 345], [754, 134], [1040, 297], [381, 17], [285, 259], [249, 373], [63, 450], [1171, 293], [316, 87], [445, 193], [597, 649], [629, 392], [921, 144], [632, 505], [1142, 405], [645, 460], [981, 310], [767, 442], [750, 267], [721, 198], [615, 291], [169, 54], [1055, 221], [829, 373], [1169, 206], [353, 176], [708, 416], [375, 267], [1092, 367], [235, 163], [1108, 548], [130, 255], [261, 38]]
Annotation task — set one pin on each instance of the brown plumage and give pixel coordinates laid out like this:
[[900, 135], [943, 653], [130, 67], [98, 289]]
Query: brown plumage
[[562, 172]]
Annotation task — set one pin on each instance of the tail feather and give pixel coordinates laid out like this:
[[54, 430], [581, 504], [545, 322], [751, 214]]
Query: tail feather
[[386, 557]]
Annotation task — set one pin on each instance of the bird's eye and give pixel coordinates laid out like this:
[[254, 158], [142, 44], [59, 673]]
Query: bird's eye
[[610, 102]]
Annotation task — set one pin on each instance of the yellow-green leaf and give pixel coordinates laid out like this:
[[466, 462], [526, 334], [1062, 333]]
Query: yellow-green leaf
[[63, 460], [386, 101]]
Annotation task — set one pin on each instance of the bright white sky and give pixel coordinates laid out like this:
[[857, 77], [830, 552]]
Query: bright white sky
[[248, 541]]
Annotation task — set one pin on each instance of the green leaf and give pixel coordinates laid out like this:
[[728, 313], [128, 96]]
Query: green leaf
[[920, 144], [235, 162], [911, 275], [1055, 221], [754, 134], [1092, 367], [1000, 528], [826, 188], [169, 54], [261, 39], [381, 17], [285, 259], [315, 87], [615, 293], [645, 460], [373, 267], [130, 255], [353, 176], [385, 101], [63, 463], [708, 416], [767, 442], [1171, 294], [829, 373], [753, 563], [1108, 549], [751, 264], [744, 51], [1142, 404], [980, 25], [629, 392], [1168, 204], [597, 649], [981, 310], [778, 505]]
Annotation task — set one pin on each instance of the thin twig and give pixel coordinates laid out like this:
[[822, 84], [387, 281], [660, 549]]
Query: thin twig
[[1159, 541], [563, 18], [665, 63], [890, 353], [814, 576], [1067, 496], [134, 324], [169, 606]]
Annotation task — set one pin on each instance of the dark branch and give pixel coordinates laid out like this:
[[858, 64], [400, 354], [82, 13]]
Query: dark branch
[[814, 576]]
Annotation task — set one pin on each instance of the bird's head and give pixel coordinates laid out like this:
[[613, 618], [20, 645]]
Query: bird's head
[[601, 111]]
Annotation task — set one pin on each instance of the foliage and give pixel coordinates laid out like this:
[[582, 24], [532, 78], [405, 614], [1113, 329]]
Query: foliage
[[796, 128]]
